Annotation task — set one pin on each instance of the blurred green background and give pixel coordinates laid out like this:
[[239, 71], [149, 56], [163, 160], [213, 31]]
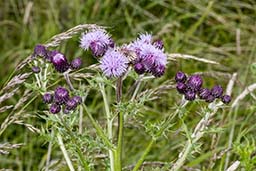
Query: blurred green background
[[223, 31]]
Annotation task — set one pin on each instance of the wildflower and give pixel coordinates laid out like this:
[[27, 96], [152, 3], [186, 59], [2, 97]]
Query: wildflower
[[47, 98], [217, 91], [71, 104], [97, 40], [113, 63], [139, 68], [180, 77], [151, 56], [204, 93], [59, 61], [226, 99], [158, 70], [78, 99], [181, 87], [210, 98], [76, 63], [159, 44], [190, 95], [61, 95], [142, 39], [55, 108], [36, 69], [195, 82], [40, 50]]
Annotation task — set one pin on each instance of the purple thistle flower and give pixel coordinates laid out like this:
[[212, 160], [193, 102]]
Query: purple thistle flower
[[111, 43], [226, 99], [159, 44], [158, 70], [180, 77], [151, 56], [217, 91], [78, 99], [139, 68], [40, 50], [142, 39], [55, 108], [190, 95], [97, 40], [204, 93], [195, 82], [113, 63], [76, 63], [61, 95], [36, 69], [71, 104], [47, 98], [60, 62], [181, 87], [210, 98]]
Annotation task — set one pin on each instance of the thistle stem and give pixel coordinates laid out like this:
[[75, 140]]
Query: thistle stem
[[66, 76]]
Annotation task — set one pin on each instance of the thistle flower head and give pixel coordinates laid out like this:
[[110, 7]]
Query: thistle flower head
[[226, 99], [159, 44], [142, 39], [97, 40], [158, 70], [60, 62], [71, 104], [180, 77], [40, 50], [47, 98], [139, 68], [181, 87], [61, 95], [76, 63], [55, 108], [204, 93], [151, 56], [217, 91], [195, 82], [210, 98], [113, 63], [190, 95]]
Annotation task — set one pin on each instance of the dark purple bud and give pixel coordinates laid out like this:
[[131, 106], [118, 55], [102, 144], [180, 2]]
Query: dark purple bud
[[217, 91], [76, 63], [78, 99], [158, 71], [210, 98], [204, 93], [98, 49], [55, 108], [36, 69], [47, 98], [40, 50], [139, 68], [60, 62], [226, 99], [190, 95], [195, 82], [50, 54], [181, 87], [111, 43], [61, 95], [159, 44], [66, 111], [180, 77], [71, 104]]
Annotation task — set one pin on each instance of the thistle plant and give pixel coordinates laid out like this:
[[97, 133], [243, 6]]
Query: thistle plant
[[70, 116]]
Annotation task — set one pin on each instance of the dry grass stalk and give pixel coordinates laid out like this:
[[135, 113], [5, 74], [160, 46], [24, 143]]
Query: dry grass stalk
[[16, 80], [6, 147], [8, 95], [234, 166], [24, 98], [4, 108]]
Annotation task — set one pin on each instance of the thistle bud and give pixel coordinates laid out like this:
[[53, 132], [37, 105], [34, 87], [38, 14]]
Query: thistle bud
[[217, 91], [180, 77], [55, 108], [195, 82]]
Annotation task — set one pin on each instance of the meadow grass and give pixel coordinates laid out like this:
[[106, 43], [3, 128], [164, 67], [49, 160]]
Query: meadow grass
[[222, 31]]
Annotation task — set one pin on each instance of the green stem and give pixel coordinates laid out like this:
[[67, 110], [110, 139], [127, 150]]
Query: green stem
[[65, 153], [109, 125], [99, 129], [142, 158]]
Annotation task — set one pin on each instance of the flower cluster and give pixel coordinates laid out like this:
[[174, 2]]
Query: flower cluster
[[58, 60], [61, 99], [192, 87], [150, 56]]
